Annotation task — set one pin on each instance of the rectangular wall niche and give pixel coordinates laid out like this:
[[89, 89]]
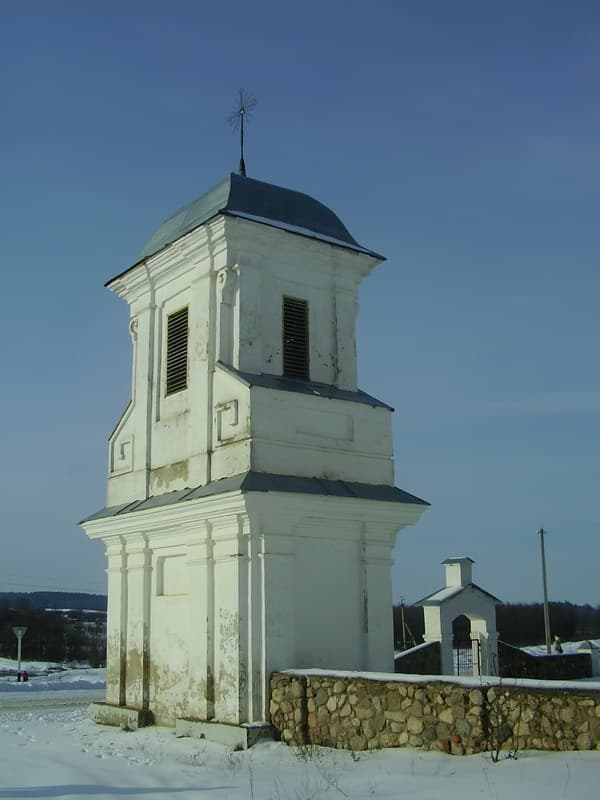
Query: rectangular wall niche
[[324, 425], [171, 575], [122, 455], [227, 420]]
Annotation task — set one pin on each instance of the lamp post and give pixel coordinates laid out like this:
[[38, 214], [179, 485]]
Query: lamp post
[[19, 632], [542, 533]]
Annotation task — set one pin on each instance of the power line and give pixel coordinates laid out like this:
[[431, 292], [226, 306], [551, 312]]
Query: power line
[[39, 586]]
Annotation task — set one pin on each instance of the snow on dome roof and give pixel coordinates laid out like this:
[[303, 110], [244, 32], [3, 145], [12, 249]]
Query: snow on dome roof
[[257, 201]]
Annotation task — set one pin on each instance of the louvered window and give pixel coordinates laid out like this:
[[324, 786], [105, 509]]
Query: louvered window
[[295, 338], [177, 351]]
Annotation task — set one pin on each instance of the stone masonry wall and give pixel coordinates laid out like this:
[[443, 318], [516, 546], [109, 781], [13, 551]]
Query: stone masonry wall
[[359, 713]]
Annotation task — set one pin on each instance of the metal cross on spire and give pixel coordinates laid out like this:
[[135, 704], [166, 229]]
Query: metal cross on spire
[[244, 106]]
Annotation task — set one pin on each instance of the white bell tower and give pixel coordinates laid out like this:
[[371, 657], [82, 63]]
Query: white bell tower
[[251, 508]]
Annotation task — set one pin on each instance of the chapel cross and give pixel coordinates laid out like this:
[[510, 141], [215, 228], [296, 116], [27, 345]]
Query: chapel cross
[[244, 106]]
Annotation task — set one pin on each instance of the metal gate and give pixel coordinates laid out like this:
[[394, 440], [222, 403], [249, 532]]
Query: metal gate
[[467, 658]]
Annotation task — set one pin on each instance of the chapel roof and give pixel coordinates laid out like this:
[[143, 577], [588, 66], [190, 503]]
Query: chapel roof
[[248, 198], [439, 597]]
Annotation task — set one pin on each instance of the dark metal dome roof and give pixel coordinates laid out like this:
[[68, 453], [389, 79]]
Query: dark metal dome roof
[[257, 201]]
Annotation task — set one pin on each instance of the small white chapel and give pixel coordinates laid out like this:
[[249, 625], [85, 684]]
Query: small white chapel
[[251, 508]]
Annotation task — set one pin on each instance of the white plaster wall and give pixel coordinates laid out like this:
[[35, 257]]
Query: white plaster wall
[[169, 661], [473, 605], [232, 426], [328, 595], [208, 597], [274, 264], [162, 442], [300, 434], [480, 610], [433, 623], [116, 632], [232, 275], [219, 592], [459, 572], [331, 559]]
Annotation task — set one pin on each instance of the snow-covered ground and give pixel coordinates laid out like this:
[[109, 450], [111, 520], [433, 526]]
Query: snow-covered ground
[[49, 749]]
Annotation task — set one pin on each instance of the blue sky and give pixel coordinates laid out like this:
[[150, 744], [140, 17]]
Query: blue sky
[[459, 139]]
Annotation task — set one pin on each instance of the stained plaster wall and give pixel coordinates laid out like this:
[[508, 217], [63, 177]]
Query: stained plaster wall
[[208, 597], [232, 275], [211, 596]]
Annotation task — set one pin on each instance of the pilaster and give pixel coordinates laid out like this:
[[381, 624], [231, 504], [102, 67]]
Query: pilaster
[[230, 560], [139, 571], [377, 606], [345, 323], [201, 697], [116, 625], [277, 600]]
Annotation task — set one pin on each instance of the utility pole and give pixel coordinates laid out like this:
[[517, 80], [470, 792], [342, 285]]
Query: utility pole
[[542, 533]]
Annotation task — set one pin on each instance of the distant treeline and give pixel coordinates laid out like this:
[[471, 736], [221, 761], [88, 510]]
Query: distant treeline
[[518, 623], [52, 633], [26, 601], [55, 635]]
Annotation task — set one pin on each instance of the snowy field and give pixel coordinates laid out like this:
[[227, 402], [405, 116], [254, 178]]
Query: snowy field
[[49, 749]]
